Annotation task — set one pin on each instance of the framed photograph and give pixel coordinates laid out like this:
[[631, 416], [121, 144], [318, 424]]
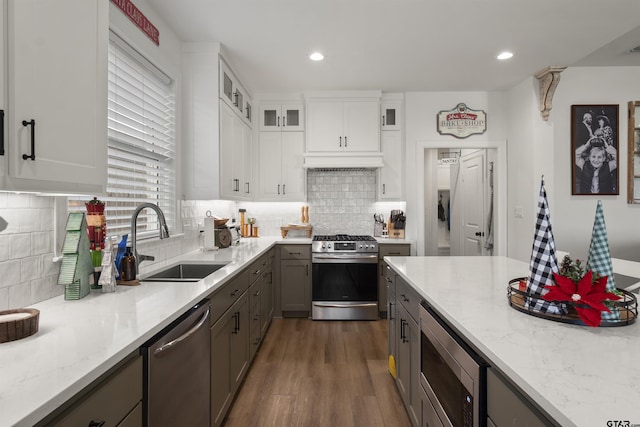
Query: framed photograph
[[594, 150]]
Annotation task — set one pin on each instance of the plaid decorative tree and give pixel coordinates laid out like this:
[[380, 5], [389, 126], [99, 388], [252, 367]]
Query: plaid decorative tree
[[599, 260], [543, 260]]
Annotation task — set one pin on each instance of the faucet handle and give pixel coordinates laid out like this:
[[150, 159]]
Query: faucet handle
[[145, 258]]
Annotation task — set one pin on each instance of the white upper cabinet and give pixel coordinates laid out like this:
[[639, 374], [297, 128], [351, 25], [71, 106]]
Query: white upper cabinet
[[281, 117], [282, 177], [390, 182], [217, 138], [235, 155], [56, 115], [343, 125], [232, 92], [390, 115], [3, 92]]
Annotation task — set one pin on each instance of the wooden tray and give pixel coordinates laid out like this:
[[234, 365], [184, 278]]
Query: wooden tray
[[18, 324], [285, 229]]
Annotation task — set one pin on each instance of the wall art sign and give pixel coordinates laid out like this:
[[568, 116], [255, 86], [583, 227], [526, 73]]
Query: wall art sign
[[461, 121], [138, 18], [594, 149]]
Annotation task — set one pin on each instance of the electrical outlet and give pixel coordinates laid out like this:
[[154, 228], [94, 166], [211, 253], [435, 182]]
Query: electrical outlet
[[518, 212]]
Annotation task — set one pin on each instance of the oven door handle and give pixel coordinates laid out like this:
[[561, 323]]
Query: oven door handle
[[339, 259], [338, 305]]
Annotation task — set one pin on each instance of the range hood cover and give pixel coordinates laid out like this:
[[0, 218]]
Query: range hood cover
[[362, 160]]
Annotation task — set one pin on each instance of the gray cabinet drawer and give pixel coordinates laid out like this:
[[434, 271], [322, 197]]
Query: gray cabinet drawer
[[257, 267], [224, 297], [393, 250], [110, 401], [507, 407], [302, 252], [406, 296]]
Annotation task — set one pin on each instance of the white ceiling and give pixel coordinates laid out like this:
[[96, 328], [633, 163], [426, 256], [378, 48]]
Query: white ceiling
[[406, 45]]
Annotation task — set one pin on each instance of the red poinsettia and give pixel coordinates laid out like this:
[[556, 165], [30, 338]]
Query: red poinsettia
[[586, 293]]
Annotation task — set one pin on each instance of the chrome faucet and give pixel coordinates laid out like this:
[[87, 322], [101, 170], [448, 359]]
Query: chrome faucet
[[164, 231]]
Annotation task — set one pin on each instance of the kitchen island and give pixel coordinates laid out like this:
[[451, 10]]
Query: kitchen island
[[578, 375], [78, 341]]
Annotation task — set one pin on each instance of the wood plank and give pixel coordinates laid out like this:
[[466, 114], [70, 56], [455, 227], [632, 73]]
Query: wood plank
[[320, 373]]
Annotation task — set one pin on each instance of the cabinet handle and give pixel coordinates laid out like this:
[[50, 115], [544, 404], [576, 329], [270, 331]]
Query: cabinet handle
[[96, 423], [340, 141], [247, 184], [402, 336], [31, 123], [284, 192], [278, 121], [256, 294], [307, 269], [390, 310], [234, 293], [236, 326], [238, 319], [1, 132], [284, 121], [345, 142], [384, 188], [278, 189], [383, 121]]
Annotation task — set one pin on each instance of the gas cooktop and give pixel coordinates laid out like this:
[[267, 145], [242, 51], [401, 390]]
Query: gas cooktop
[[342, 238], [344, 243]]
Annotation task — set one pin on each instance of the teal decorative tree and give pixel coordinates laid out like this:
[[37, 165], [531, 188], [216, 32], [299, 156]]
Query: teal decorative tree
[[76, 271]]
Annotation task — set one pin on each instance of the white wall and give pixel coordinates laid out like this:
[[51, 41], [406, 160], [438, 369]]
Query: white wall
[[572, 216], [421, 133]]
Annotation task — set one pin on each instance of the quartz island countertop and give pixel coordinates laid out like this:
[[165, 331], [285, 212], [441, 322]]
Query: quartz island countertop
[[78, 341], [578, 375]]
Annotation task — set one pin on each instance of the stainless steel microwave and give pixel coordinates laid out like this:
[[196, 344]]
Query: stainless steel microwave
[[452, 375]]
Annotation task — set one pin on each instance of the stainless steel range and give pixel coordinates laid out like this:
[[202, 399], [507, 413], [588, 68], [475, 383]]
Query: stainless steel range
[[344, 277]]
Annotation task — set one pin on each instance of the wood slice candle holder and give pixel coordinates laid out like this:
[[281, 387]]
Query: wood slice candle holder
[[18, 324]]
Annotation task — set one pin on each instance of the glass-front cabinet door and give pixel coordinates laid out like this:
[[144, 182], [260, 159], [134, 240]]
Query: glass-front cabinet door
[[281, 117], [633, 174], [390, 118]]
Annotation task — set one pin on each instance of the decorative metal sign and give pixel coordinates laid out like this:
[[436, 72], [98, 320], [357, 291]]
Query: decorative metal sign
[[462, 121], [138, 19]]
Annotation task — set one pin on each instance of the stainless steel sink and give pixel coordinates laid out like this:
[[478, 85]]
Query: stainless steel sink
[[184, 272]]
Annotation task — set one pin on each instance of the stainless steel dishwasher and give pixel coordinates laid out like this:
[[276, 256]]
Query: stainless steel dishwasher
[[177, 370]]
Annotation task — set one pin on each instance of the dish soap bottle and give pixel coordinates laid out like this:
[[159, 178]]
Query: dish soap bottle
[[128, 266]]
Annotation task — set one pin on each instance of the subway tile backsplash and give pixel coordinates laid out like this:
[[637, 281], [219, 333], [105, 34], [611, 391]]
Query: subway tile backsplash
[[340, 201], [27, 269]]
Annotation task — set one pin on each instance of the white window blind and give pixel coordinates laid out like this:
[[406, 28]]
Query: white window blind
[[141, 153]]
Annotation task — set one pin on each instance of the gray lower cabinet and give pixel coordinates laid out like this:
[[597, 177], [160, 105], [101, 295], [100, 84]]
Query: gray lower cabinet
[[295, 280], [229, 345], [407, 332], [387, 249], [260, 300], [508, 407], [115, 400]]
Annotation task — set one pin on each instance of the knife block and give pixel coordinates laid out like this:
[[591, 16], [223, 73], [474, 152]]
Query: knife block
[[395, 233]]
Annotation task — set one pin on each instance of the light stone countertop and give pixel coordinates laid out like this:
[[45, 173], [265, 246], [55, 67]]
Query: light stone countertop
[[78, 341], [579, 375]]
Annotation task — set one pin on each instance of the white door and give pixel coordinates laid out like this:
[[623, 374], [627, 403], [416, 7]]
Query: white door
[[473, 211]]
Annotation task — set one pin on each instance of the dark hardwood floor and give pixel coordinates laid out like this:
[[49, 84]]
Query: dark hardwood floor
[[320, 373]]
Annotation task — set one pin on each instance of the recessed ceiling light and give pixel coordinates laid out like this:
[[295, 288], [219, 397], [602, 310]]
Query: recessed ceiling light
[[316, 56], [505, 55]]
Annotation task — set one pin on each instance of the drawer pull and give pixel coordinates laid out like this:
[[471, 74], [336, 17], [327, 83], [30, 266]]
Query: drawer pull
[[234, 293], [96, 423]]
